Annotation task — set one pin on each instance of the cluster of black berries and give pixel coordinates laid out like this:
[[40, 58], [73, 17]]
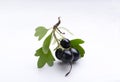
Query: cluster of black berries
[[67, 54]]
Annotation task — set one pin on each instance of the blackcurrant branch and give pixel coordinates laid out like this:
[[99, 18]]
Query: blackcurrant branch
[[68, 51]]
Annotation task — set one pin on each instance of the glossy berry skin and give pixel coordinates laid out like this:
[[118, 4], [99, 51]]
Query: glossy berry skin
[[75, 53], [59, 53], [67, 56], [65, 43]]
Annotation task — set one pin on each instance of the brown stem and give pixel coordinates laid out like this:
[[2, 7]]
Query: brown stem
[[57, 24], [69, 70], [60, 31], [54, 29], [55, 37]]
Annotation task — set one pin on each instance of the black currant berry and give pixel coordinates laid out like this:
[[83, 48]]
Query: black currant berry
[[65, 43], [59, 53], [67, 56], [75, 53]]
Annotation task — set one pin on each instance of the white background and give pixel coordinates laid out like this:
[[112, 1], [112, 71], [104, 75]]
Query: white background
[[95, 21]]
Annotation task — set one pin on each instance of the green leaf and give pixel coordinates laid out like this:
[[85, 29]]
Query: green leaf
[[38, 52], [80, 49], [42, 60], [50, 58], [45, 58], [46, 44], [76, 41], [40, 32]]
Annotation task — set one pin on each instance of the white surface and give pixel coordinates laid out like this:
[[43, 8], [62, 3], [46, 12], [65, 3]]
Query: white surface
[[95, 21]]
